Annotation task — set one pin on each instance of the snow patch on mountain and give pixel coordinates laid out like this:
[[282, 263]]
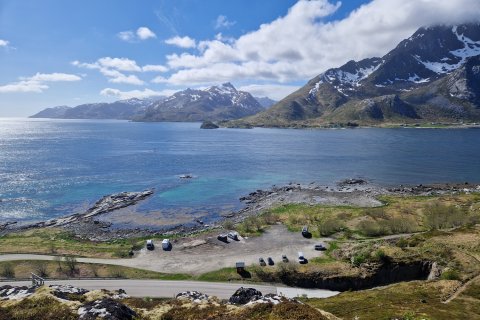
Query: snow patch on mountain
[[470, 48]]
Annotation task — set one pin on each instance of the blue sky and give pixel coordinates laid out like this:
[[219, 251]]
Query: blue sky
[[57, 52]]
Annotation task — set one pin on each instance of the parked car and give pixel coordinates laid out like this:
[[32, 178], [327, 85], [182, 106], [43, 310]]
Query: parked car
[[262, 262], [222, 237], [301, 258], [150, 245], [284, 258], [305, 232], [233, 235], [270, 261], [166, 245], [320, 247]]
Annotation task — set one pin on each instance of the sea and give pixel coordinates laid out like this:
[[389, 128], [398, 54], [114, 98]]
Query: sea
[[53, 168]]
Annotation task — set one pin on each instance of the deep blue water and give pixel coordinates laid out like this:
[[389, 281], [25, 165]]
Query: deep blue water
[[50, 168]]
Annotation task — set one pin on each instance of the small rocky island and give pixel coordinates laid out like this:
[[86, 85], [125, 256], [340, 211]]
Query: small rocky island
[[208, 125]]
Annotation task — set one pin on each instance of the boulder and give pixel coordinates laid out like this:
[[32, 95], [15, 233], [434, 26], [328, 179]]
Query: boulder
[[193, 296], [108, 309], [245, 295]]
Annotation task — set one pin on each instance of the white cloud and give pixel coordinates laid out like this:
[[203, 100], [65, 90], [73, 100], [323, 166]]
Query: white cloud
[[273, 91], [53, 77], [301, 44], [146, 93], [126, 36], [154, 68], [223, 22], [36, 83], [182, 42], [3, 43], [112, 67], [143, 33]]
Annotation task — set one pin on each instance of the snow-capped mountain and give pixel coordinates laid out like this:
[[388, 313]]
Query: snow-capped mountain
[[215, 103], [407, 84]]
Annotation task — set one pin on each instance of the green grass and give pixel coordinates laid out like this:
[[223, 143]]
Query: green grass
[[419, 300], [55, 269]]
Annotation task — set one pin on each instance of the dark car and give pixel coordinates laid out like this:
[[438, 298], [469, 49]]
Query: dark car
[[284, 258], [262, 262], [306, 233], [270, 261], [320, 247], [222, 237]]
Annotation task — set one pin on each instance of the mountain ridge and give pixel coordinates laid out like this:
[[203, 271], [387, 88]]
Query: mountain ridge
[[392, 88]]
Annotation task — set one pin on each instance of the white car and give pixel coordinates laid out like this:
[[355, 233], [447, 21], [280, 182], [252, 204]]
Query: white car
[[166, 244], [301, 258], [150, 245]]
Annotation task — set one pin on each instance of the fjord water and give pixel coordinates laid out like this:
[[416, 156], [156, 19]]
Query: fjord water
[[50, 168]]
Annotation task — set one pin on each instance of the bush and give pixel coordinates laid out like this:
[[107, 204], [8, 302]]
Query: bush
[[329, 227], [41, 268], [8, 271], [372, 228], [71, 264], [400, 225], [440, 216], [376, 213], [450, 274]]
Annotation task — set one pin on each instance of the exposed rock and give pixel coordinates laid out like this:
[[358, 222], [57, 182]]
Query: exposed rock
[[270, 298], [245, 295], [15, 293], [354, 181], [106, 309], [208, 125], [65, 292], [193, 296]]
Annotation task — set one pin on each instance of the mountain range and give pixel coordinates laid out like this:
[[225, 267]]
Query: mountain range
[[432, 76], [215, 103]]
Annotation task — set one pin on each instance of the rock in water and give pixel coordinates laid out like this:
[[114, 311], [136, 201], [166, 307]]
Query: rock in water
[[208, 125], [245, 295]]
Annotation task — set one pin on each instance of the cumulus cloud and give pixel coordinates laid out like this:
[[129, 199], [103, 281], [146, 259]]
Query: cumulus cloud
[[154, 68], [182, 42], [142, 33], [114, 68], [303, 43], [3, 43], [223, 22], [37, 82], [140, 94]]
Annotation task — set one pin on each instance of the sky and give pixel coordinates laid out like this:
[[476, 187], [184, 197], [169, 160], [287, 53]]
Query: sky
[[57, 52]]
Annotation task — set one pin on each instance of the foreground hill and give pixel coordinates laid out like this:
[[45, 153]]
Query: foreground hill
[[215, 103], [431, 76]]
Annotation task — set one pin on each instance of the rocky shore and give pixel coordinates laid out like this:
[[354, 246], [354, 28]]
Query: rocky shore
[[354, 192]]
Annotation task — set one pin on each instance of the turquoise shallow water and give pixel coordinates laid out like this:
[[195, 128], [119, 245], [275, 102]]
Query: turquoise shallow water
[[50, 168]]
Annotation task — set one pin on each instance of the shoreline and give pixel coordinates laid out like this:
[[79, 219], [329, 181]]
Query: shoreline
[[351, 192]]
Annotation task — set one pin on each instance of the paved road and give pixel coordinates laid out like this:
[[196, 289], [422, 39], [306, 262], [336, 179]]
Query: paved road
[[164, 288]]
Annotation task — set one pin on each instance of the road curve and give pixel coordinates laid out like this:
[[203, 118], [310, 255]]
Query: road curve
[[168, 288]]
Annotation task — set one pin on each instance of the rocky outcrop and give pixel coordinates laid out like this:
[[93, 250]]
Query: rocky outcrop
[[245, 295], [15, 293], [387, 273], [193, 296], [108, 309], [209, 125]]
